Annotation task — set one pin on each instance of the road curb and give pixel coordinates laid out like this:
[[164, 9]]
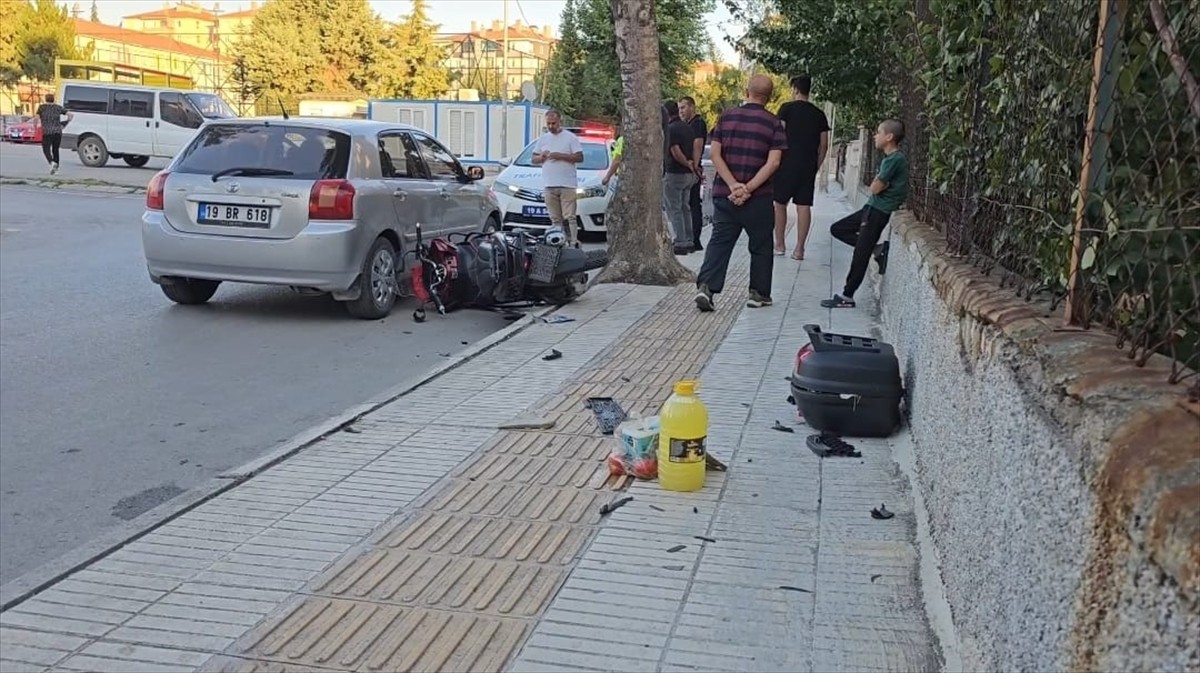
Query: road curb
[[24, 587], [86, 184]]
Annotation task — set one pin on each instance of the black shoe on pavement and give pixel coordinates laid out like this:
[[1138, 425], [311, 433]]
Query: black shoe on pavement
[[757, 300], [704, 299], [837, 301], [881, 256]]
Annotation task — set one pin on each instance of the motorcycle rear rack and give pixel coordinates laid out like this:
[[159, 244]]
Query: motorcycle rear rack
[[544, 265], [608, 412]]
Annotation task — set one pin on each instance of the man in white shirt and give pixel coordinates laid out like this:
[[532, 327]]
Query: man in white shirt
[[557, 152]]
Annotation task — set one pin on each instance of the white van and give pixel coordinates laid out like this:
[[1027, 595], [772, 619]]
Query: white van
[[134, 123]]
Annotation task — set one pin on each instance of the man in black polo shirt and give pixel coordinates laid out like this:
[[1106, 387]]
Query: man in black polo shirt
[[689, 114]]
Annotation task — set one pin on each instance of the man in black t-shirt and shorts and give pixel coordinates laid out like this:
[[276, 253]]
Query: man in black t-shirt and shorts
[[807, 130]]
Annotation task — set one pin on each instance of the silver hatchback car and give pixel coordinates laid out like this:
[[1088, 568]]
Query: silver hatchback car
[[320, 205]]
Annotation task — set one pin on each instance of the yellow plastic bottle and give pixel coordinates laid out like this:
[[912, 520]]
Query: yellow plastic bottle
[[682, 440]]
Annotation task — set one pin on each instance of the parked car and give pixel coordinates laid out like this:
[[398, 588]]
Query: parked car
[[27, 130], [134, 123], [320, 205], [519, 188]]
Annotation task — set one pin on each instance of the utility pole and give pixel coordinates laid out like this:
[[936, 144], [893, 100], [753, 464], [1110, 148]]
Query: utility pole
[[504, 87]]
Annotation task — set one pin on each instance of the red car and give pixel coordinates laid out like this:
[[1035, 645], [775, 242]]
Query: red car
[[25, 132]]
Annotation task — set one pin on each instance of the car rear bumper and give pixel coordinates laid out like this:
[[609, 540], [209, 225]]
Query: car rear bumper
[[326, 256]]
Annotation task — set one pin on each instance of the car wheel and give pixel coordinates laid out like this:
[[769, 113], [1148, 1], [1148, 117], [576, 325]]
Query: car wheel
[[136, 160], [190, 291], [92, 152], [492, 225], [376, 283]]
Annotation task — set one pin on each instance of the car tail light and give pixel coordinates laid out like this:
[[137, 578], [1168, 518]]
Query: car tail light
[[331, 200], [154, 191], [803, 354]]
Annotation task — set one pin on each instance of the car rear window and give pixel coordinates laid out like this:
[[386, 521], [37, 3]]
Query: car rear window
[[309, 153]]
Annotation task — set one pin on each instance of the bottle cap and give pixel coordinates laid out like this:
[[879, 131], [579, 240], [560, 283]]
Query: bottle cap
[[686, 387]]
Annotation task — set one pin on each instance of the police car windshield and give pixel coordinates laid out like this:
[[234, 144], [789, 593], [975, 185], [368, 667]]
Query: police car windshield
[[595, 157]]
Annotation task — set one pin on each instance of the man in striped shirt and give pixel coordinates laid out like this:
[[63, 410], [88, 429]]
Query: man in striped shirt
[[747, 147]]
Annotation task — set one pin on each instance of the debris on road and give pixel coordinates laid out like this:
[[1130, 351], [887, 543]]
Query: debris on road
[[705, 539], [352, 430], [678, 547], [826, 445], [781, 427], [554, 355], [608, 412], [557, 319], [674, 567], [882, 513], [610, 507], [788, 587], [528, 422]]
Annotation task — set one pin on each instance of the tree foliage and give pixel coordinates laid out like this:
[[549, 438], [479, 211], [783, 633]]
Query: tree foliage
[[727, 88], [338, 46], [585, 78], [410, 63], [853, 49], [11, 30], [32, 36]]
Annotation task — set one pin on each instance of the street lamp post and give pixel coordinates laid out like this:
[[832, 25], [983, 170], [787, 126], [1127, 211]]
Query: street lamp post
[[504, 87]]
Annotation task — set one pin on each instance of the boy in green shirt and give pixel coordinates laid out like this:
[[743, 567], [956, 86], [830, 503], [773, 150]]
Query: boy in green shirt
[[863, 229]]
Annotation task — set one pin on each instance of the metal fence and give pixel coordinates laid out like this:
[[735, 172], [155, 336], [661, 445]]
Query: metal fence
[[1060, 151]]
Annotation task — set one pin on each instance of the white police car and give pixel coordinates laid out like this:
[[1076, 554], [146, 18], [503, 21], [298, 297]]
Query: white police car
[[519, 187]]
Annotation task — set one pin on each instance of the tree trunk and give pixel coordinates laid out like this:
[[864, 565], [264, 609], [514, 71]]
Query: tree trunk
[[639, 250]]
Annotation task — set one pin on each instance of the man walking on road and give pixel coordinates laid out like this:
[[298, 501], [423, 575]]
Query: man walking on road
[[557, 152], [688, 113], [678, 177], [808, 140], [50, 118], [747, 146]]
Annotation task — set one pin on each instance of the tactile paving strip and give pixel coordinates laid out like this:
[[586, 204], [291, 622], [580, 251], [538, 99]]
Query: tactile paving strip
[[362, 636], [456, 585]]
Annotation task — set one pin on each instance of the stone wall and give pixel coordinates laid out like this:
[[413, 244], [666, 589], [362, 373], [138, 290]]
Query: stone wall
[[1062, 482]]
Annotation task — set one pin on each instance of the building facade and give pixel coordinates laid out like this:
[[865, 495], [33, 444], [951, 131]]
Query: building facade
[[112, 44], [476, 58], [195, 25]]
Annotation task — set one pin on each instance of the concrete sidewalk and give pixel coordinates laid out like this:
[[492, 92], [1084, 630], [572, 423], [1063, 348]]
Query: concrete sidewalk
[[427, 539]]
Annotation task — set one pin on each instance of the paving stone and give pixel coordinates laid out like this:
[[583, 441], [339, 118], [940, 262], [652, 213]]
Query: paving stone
[[353, 635]]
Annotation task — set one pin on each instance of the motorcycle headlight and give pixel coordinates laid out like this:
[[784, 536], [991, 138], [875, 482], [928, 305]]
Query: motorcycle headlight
[[591, 192]]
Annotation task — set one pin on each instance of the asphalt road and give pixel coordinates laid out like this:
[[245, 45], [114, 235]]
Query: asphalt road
[[113, 400], [26, 162]]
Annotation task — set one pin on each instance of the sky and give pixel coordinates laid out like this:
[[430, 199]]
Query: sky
[[452, 15]]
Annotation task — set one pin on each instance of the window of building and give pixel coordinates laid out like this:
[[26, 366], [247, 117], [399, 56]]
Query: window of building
[[411, 117], [460, 134]]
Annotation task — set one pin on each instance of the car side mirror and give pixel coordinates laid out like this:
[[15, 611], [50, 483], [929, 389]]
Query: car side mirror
[[475, 173], [505, 161]]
